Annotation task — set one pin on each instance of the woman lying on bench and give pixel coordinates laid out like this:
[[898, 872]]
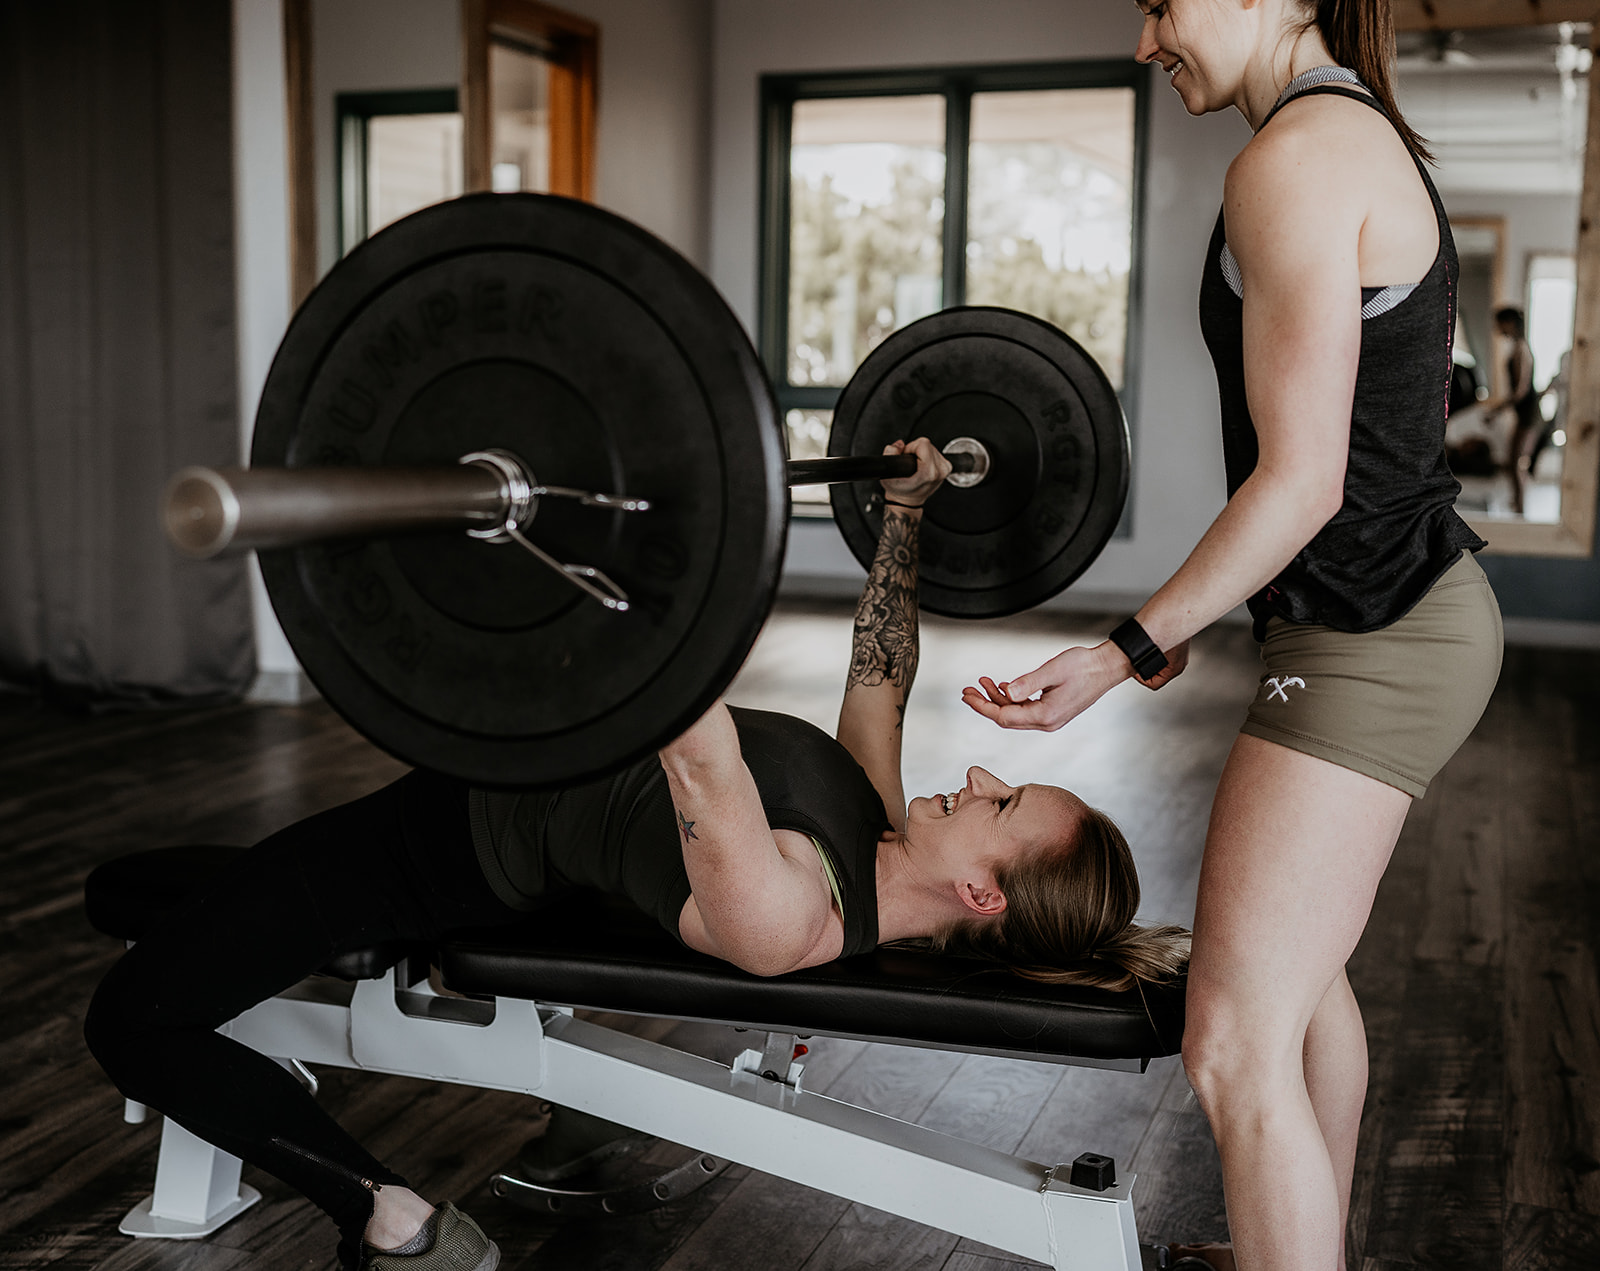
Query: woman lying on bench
[[756, 838]]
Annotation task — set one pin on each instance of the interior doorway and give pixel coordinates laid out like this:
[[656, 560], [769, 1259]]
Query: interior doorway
[[528, 98]]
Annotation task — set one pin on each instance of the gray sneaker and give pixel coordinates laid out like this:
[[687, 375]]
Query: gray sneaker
[[448, 1241]]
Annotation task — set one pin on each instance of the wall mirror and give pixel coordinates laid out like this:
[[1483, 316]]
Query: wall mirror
[[1501, 92]]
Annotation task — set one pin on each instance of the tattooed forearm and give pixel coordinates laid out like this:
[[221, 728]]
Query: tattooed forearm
[[886, 637]]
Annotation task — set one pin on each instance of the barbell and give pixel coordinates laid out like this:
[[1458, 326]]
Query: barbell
[[520, 492]]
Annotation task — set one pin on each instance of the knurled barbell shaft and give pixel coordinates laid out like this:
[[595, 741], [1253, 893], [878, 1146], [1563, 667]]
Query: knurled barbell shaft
[[840, 468]]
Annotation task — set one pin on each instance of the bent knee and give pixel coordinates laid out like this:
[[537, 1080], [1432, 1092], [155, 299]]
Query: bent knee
[[1230, 1061]]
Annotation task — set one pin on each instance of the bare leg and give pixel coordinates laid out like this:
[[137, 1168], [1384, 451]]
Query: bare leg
[[397, 1215], [1335, 1058], [1293, 857], [1336, 1080]]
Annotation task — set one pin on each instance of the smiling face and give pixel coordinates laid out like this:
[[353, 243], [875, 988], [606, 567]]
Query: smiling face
[[1202, 45], [969, 832]]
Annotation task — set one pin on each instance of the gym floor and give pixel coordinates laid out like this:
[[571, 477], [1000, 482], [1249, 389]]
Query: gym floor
[[1481, 1145]]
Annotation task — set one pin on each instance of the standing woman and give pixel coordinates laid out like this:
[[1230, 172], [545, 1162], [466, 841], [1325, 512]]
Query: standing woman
[[1328, 303], [1527, 420]]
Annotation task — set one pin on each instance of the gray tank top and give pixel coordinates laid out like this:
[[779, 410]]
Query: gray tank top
[[1397, 531]]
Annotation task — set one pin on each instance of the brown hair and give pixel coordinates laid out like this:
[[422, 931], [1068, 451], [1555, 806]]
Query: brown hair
[[1069, 917], [1360, 36]]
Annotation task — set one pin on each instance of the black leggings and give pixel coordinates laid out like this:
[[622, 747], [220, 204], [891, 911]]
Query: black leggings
[[396, 865]]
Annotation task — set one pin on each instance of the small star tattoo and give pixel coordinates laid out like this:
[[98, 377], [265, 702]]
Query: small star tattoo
[[687, 827]]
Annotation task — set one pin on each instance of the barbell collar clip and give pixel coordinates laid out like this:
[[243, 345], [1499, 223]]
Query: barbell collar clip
[[522, 493], [586, 578], [614, 502]]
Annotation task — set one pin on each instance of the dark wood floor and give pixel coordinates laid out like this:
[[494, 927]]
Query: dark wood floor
[[1478, 976]]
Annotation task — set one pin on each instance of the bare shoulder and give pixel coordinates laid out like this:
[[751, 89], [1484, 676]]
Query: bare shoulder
[[1321, 147], [1288, 199], [1331, 171]]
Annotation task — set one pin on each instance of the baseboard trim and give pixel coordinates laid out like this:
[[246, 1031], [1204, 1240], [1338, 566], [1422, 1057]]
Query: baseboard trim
[[282, 688], [1552, 633]]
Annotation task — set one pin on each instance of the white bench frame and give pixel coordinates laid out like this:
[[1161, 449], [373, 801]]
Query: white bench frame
[[777, 1127]]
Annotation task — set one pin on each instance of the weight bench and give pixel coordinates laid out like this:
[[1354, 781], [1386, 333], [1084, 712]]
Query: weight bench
[[517, 1031]]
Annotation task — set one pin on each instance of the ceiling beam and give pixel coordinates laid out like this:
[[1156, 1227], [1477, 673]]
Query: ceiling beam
[[1452, 15]]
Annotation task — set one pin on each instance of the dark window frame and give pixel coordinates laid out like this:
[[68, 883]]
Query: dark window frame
[[779, 93], [352, 113]]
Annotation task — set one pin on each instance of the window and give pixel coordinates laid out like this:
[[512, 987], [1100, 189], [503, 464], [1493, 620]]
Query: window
[[397, 152], [891, 196], [1552, 293]]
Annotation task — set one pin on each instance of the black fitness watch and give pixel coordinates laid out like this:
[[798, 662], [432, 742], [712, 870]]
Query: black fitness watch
[[1148, 661]]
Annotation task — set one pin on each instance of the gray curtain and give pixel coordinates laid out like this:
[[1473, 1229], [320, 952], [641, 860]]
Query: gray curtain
[[117, 346]]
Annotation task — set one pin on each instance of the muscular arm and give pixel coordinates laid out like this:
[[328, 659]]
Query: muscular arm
[[883, 659], [757, 900], [885, 645]]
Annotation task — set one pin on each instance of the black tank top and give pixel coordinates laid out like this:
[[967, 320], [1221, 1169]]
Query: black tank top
[[1397, 530], [1527, 406], [619, 835]]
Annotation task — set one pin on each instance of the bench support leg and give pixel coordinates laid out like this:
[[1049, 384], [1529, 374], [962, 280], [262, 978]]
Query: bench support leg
[[944, 1182], [197, 1190]]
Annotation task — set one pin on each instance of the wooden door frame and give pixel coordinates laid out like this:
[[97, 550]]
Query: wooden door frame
[[572, 45], [301, 150]]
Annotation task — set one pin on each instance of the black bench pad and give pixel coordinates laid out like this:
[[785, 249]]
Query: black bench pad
[[628, 964], [611, 959]]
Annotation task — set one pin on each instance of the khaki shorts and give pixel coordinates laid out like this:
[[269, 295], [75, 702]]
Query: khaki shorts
[[1393, 704]]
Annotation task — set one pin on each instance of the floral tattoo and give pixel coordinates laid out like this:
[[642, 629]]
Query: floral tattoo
[[884, 650]]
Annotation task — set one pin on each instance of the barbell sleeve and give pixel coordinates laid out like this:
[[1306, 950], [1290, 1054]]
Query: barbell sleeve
[[208, 511]]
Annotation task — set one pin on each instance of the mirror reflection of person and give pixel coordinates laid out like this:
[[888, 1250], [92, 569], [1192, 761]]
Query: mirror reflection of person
[[1326, 302], [1528, 430], [753, 837]]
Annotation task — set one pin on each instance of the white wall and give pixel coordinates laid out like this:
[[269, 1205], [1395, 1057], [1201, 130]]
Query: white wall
[[651, 144], [654, 116], [1534, 223], [1178, 482], [261, 230], [366, 46]]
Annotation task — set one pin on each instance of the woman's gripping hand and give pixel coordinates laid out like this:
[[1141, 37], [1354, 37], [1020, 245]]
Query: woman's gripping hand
[[932, 469]]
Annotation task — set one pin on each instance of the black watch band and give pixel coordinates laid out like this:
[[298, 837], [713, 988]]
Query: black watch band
[[1148, 661]]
